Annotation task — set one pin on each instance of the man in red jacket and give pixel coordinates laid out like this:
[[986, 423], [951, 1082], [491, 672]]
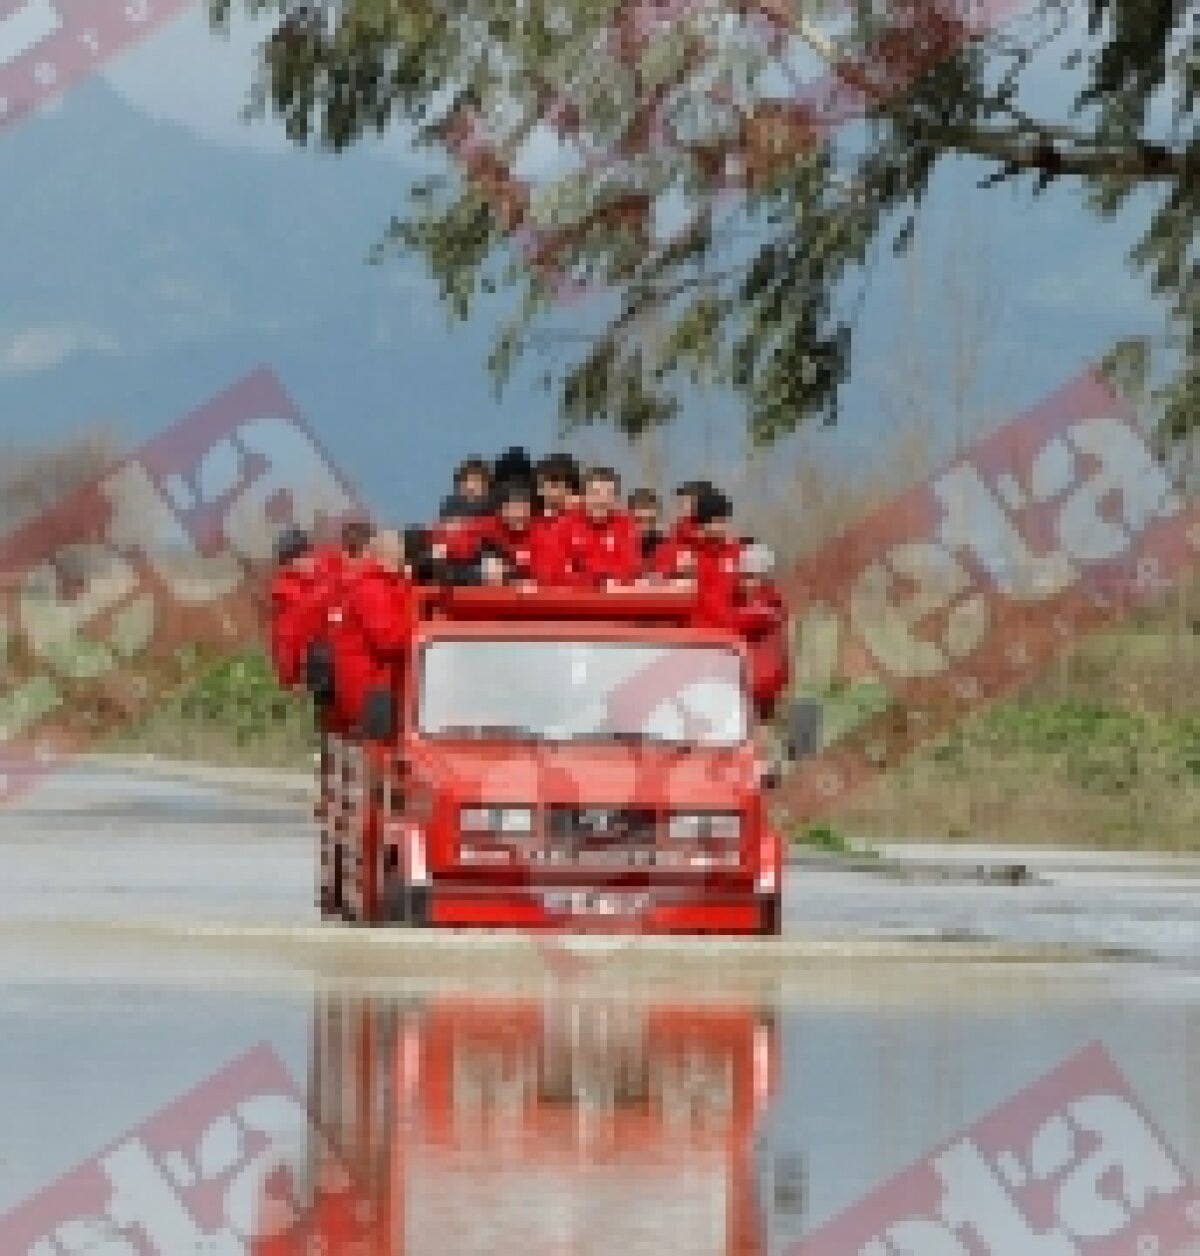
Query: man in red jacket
[[734, 592], [716, 560], [675, 556], [558, 485], [527, 544], [293, 588], [599, 545], [377, 623], [762, 620], [644, 507]]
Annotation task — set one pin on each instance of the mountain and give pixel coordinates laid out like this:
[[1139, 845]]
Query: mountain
[[142, 269]]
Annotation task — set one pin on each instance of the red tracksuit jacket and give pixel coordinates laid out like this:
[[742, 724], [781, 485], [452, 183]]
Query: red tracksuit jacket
[[293, 620], [758, 617], [301, 595], [675, 556], [533, 554], [593, 552], [763, 623], [376, 624], [460, 537]]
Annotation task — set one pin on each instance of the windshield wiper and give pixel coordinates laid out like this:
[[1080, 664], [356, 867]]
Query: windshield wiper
[[476, 732]]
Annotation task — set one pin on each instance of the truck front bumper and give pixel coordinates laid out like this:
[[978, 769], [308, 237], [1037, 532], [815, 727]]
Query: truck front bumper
[[646, 910]]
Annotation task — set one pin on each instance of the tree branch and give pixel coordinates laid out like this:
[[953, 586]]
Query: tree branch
[[1018, 151]]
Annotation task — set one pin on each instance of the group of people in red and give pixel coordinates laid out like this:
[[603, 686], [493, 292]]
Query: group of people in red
[[342, 614]]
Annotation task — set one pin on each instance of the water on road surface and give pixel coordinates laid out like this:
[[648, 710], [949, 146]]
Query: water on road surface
[[153, 933]]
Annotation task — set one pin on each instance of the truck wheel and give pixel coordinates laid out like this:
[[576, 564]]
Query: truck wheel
[[393, 903], [418, 906], [399, 902], [392, 892], [772, 915], [333, 907], [406, 905]]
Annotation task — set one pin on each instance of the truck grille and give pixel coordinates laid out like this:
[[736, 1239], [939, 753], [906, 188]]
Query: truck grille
[[620, 836]]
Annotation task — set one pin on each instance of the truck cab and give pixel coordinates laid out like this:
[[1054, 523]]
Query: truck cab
[[558, 758]]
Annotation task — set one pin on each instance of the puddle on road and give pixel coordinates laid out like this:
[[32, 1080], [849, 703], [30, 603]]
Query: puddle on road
[[592, 1113]]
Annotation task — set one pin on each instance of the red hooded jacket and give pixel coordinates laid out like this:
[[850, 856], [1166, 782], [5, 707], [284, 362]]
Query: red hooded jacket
[[301, 594], [763, 623], [593, 552], [374, 626], [757, 614], [294, 619]]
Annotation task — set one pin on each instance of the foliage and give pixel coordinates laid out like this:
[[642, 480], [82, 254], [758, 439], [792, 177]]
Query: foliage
[[1098, 747], [829, 839], [241, 694], [228, 709], [758, 285]]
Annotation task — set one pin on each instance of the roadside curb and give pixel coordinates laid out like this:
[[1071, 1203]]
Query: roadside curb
[[956, 871], [250, 780]]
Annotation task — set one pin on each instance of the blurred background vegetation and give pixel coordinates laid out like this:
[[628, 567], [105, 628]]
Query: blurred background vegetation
[[1103, 749]]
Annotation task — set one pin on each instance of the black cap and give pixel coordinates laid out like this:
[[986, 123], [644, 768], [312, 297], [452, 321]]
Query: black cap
[[562, 468], [416, 539], [513, 464], [712, 505], [290, 544], [694, 488]]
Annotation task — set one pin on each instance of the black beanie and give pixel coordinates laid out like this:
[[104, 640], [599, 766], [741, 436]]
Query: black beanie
[[712, 505]]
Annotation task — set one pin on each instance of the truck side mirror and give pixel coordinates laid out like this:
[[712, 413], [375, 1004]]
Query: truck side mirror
[[803, 728], [379, 715]]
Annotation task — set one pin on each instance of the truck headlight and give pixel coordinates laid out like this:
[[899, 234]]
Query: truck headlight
[[510, 821], [720, 826]]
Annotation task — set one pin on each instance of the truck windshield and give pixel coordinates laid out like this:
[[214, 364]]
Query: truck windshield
[[583, 690]]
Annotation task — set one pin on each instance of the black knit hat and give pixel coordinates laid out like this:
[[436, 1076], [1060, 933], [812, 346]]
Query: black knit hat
[[513, 464], [712, 505], [693, 488]]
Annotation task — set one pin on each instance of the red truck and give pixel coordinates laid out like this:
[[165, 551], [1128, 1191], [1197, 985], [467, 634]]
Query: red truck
[[557, 758]]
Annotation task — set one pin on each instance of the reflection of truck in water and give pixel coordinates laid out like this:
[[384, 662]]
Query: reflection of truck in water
[[553, 757], [589, 1125]]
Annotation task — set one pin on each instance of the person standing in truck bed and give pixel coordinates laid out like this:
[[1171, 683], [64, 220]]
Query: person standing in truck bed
[[644, 507], [675, 556], [599, 546], [558, 486], [472, 488], [527, 544]]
